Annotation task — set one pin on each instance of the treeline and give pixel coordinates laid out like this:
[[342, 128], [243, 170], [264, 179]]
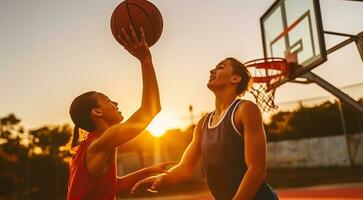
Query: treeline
[[318, 121], [33, 164]]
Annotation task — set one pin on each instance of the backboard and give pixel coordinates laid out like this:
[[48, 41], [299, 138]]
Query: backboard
[[292, 29]]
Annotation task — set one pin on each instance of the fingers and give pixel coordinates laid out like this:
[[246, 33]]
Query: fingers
[[136, 47], [126, 39], [122, 40], [139, 186], [133, 34], [124, 43], [152, 191], [156, 184], [149, 184], [142, 34], [126, 36]]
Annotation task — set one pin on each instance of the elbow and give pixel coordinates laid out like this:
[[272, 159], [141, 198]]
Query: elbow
[[263, 175], [187, 172], [157, 109], [181, 173], [151, 112], [154, 111]]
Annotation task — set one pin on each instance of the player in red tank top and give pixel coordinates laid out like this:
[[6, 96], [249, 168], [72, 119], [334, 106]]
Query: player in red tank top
[[93, 168]]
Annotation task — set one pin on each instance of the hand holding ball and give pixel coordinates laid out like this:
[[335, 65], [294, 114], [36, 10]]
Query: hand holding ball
[[138, 13]]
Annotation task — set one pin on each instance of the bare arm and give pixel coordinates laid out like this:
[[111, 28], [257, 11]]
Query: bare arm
[[125, 183], [150, 103], [249, 115], [190, 158], [182, 171], [100, 154]]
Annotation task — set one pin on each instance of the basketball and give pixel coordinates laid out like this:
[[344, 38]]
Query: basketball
[[138, 13]]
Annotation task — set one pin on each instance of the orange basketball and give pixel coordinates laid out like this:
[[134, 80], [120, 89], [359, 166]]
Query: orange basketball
[[139, 13]]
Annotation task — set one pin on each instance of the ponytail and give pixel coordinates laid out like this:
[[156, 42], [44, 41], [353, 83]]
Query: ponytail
[[80, 112], [75, 136]]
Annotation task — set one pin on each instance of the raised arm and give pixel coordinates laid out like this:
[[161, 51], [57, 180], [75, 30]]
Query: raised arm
[[150, 103], [182, 171]]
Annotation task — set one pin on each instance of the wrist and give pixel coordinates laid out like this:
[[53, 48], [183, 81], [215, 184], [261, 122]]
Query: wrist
[[146, 60], [151, 170]]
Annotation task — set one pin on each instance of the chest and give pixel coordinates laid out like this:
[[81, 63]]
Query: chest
[[216, 119]]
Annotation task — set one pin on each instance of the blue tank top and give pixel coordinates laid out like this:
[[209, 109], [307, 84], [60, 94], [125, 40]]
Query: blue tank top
[[223, 157]]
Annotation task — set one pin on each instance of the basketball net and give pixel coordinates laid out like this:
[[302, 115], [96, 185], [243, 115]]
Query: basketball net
[[264, 99], [266, 74]]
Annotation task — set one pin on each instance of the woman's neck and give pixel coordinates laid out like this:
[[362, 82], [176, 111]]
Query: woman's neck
[[101, 127]]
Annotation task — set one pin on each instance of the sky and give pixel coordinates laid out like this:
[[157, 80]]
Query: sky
[[52, 51]]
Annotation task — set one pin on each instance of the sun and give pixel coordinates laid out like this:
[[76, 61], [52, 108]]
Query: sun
[[161, 123]]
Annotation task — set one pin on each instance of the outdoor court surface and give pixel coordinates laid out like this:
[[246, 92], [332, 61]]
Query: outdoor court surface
[[327, 192], [333, 193]]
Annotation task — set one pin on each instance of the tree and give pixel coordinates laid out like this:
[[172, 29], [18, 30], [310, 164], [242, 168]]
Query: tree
[[33, 163], [12, 155]]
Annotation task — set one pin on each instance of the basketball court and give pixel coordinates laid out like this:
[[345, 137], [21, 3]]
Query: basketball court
[[352, 191], [293, 41]]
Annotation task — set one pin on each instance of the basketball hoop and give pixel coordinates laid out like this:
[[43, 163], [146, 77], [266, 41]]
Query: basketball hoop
[[266, 74]]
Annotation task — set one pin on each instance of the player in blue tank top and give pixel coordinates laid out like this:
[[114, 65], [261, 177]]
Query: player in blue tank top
[[231, 142]]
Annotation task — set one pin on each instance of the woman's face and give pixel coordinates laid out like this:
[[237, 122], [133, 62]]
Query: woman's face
[[108, 109]]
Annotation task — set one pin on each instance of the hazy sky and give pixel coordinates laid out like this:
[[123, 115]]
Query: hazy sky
[[51, 51]]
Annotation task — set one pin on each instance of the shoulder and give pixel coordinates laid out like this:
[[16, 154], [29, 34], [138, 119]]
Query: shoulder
[[202, 121], [200, 124], [247, 110], [247, 106]]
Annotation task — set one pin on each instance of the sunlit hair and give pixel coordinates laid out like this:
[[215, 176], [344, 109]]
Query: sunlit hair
[[241, 70], [80, 111]]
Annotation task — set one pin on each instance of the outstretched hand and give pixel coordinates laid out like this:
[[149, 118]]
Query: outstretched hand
[[150, 184], [135, 46], [153, 183]]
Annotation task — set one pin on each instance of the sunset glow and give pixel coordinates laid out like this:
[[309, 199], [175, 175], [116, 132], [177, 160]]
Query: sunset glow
[[161, 123]]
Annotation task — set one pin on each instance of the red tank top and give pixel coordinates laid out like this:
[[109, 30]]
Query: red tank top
[[82, 185]]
